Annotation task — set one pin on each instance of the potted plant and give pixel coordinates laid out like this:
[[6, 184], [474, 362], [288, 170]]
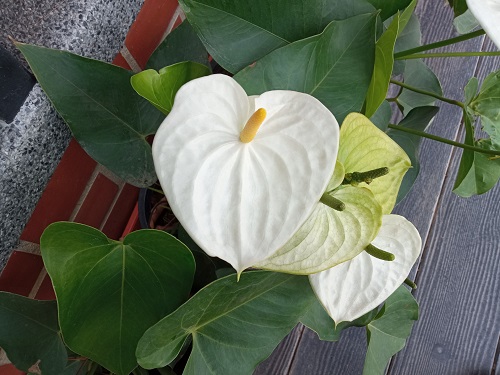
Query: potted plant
[[282, 173]]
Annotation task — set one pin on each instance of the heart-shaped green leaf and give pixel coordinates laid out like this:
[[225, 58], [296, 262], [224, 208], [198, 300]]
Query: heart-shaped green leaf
[[110, 292], [160, 87], [335, 66], [388, 332], [418, 119], [182, 44], [486, 105], [477, 173], [363, 147], [104, 113], [29, 334], [418, 75], [238, 33], [330, 237], [234, 324]]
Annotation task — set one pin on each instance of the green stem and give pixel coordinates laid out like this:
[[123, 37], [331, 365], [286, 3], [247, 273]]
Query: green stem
[[332, 202], [379, 253], [439, 44], [448, 54], [410, 283], [428, 93], [444, 140]]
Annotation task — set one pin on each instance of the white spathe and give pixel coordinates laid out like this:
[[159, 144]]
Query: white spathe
[[487, 13], [243, 201], [355, 287]]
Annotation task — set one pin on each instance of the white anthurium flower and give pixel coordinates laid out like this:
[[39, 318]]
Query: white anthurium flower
[[487, 13], [353, 288], [241, 191], [330, 237]]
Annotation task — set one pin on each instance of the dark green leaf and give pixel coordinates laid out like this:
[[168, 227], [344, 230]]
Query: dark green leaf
[[477, 173], [409, 38], [388, 332], [487, 104], [110, 292], [160, 87], [459, 6], [182, 44], [106, 116], [389, 7], [418, 119], [382, 117], [382, 71], [418, 75], [234, 324], [238, 33], [317, 319], [335, 66], [29, 334]]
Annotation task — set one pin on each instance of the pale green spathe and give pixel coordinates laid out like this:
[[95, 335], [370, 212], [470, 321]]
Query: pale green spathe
[[364, 147]]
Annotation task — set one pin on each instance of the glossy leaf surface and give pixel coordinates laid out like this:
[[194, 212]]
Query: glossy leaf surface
[[317, 319], [486, 105], [388, 332], [382, 71], [335, 66], [234, 324], [110, 292], [29, 334], [418, 119], [181, 44], [160, 88], [418, 75], [238, 33], [105, 115]]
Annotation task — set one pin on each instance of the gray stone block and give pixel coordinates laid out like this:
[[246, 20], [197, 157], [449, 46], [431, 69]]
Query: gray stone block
[[33, 143]]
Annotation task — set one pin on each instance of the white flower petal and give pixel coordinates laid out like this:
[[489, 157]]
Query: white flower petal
[[242, 201], [353, 288], [487, 13]]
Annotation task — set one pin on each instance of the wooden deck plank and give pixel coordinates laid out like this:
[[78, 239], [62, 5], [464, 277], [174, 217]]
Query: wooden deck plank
[[459, 282], [346, 357]]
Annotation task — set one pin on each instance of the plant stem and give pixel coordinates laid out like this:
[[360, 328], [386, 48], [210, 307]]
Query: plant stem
[[332, 202], [410, 283], [448, 54], [439, 44], [428, 93], [444, 140], [379, 254]]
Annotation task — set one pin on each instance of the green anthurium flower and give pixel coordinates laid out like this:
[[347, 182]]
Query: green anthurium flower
[[330, 237], [242, 174], [364, 147], [487, 13]]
